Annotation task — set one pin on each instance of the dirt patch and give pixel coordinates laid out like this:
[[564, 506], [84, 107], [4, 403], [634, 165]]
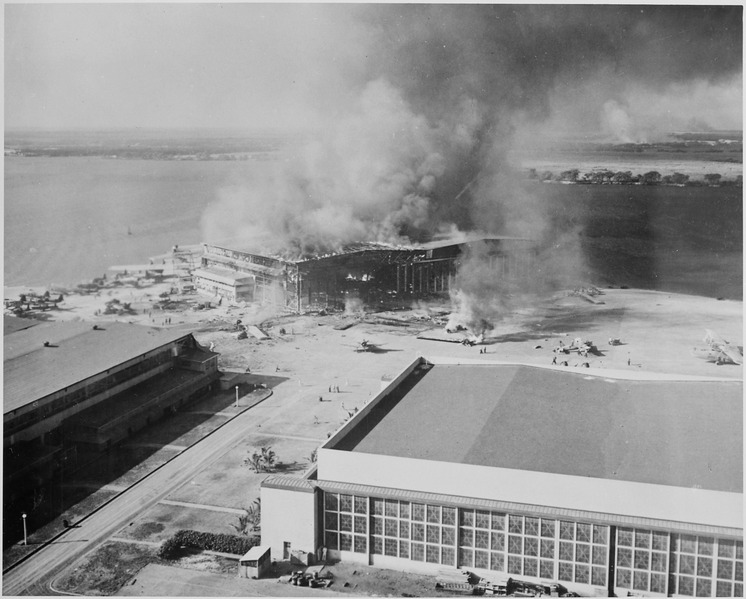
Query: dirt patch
[[163, 521], [365, 580], [204, 562], [104, 571], [147, 530]]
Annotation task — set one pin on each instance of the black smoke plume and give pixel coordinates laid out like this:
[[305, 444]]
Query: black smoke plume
[[435, 98]]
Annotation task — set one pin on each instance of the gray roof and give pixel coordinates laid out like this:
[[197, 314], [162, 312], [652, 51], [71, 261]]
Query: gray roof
[[11, 324], [679, 433], [76, 352], [292, 483]]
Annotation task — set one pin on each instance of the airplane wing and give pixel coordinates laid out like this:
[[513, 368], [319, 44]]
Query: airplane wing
[[732, 352], [717, 343]]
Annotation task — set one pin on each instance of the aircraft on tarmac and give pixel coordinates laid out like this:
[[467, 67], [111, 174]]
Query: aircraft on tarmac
[[578, 345], [366, 346], [719, 350]]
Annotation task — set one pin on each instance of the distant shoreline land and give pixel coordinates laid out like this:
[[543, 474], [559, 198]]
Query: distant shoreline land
[[712, 158], [142, 191]]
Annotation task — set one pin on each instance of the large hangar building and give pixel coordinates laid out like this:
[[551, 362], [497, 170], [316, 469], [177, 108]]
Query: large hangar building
[[72, 384], [605, 484], [374, 273]]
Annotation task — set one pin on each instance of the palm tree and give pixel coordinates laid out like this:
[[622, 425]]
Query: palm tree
[[254, 461], [242, 527], [250, 521], [254, 514], [268, 458]]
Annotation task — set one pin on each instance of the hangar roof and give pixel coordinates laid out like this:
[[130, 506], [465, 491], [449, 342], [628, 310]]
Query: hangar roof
[[679, 433], [76, 352], [11, 324]]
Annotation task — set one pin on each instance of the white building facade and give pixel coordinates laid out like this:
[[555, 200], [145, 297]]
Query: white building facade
[[489, 496]]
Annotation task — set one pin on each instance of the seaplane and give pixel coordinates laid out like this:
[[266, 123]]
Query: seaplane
[[719, 350]]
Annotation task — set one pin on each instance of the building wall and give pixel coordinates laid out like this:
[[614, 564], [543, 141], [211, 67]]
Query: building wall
[[120, 427], [589, 558], [48, 413], [270, 276], [538, 488], [288, 517], [234, 293]]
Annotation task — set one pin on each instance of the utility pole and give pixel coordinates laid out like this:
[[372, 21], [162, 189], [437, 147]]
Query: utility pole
[[25, 538], [236, 395]]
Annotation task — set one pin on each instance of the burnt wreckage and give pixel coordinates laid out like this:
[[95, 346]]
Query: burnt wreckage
[[373, 273]]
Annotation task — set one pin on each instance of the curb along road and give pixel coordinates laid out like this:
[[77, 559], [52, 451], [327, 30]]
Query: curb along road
[[33, 575]]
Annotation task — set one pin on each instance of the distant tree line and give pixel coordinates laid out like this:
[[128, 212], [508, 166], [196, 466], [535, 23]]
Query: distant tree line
[[609, 177]]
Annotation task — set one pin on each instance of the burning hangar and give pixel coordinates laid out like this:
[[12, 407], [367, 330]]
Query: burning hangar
[[374, 273], [605, 485]]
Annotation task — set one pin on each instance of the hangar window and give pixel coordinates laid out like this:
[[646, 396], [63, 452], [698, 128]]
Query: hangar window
[[583, 551], [482, 540], [345, 522], [361, 505], [701, 564], [548, 528], [729, 567], [642, 559], [416, 531]]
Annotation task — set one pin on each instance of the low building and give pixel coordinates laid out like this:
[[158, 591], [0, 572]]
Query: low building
[[603, 484], [241, 276], [256, 563], [70, 383]]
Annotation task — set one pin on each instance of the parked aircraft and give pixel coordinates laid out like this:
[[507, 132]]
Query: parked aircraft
[[718, 350]]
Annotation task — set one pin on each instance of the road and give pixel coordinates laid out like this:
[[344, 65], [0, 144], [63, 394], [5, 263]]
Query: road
[[33, 576]]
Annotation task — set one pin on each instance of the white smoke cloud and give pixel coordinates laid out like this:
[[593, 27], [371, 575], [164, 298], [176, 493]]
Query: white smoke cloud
[[369, 176], [616, 122]]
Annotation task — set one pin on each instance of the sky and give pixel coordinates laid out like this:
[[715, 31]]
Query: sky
[[615, 70]]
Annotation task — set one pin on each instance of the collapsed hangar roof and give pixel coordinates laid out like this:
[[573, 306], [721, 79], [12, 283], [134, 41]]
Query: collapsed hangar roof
[[678, 433], [376, 246]]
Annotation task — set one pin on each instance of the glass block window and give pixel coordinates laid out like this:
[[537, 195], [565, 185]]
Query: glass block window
[[642, 559], [548, 528], [346, 522], [482, 539], [703, 565], [416, 531], [580, 545], [728, 567]]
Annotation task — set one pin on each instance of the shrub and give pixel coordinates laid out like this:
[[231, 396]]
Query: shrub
[[209, 541], [170, 549]]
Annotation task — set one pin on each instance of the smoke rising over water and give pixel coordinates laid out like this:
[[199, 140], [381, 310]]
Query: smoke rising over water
[[417, 142]]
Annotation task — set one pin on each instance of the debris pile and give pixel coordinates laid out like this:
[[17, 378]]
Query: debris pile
[[463, 582]]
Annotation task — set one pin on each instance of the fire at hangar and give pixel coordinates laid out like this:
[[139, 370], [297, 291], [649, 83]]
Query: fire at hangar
[[372, 274]]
